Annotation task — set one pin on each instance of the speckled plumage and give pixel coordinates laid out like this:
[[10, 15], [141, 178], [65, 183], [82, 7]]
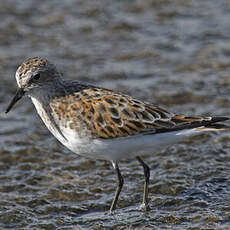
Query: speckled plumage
[[100, 123], [32, 64], [98, 112], [105, 114]]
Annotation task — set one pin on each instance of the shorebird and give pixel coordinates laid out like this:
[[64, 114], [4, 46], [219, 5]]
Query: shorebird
[[99, 123]]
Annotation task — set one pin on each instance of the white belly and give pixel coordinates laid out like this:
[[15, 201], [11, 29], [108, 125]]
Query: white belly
[[123, 148]]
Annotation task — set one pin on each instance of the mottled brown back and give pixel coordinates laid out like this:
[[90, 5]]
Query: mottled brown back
[[106, 114]]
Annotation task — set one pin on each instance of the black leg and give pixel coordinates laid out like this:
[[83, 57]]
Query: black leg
[[147, 175], [120, 183]]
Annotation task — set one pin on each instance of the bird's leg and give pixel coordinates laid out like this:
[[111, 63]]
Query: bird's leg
[[144, 204], [120, 183]]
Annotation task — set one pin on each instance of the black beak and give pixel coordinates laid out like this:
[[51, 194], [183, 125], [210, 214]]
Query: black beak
[[19, 94]]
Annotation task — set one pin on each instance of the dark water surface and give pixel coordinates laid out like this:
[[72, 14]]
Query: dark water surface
[[173, 53]]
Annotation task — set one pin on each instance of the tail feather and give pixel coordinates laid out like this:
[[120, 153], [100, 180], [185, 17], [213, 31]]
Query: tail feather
[[197, 123], [219, 119], [213, 127]]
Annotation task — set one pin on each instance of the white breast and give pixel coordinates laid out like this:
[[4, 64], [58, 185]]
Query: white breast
[[46, 118]]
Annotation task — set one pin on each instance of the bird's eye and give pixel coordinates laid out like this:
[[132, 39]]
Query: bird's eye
[[36, 77]]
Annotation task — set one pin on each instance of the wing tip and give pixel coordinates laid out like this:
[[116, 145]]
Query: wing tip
[[213, 127], [219, 119]]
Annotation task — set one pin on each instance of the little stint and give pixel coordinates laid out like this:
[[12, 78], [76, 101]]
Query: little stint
[[101, 124]]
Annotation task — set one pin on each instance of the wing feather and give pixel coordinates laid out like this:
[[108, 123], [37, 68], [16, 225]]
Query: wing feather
[[102, 113]]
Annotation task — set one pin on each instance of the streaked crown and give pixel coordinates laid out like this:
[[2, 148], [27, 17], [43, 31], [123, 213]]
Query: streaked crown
[[34, 72]]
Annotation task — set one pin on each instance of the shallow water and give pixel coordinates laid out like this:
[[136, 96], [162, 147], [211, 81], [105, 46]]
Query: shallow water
[[172, 53]]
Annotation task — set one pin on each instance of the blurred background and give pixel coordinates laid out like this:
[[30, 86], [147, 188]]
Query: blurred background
[[172, 53]]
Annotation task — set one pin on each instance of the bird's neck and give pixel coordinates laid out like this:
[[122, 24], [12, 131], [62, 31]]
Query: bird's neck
[[41, 99], [47, 92]]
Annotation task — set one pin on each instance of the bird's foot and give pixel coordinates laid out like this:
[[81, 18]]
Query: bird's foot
[[144, 207]]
